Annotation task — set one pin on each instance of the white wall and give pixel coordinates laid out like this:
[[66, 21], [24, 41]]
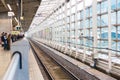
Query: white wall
[[4, 23]]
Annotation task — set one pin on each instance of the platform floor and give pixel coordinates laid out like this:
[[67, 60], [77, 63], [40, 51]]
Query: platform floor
[[5, 58], [34, 71]]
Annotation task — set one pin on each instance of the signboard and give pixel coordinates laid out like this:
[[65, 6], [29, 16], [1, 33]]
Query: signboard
[[11, 14], [15, 32]]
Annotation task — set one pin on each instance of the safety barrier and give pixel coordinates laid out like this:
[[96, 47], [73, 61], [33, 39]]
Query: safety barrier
[[14, 68]]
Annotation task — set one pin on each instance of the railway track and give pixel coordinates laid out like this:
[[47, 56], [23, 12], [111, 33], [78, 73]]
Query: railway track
[[51, 69]]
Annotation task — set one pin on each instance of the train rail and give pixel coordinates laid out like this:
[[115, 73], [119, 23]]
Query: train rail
[[53, 69]]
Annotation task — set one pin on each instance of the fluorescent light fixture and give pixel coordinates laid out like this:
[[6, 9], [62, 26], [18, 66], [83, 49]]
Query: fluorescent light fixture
[[9, 7]]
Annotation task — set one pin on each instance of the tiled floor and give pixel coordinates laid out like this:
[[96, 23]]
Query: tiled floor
[[5, 58]]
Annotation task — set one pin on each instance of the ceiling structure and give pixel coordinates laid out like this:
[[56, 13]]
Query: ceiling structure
[[29, 8], [46, 8]]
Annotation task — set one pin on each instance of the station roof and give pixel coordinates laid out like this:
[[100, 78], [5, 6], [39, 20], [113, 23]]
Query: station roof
[[29, 9]]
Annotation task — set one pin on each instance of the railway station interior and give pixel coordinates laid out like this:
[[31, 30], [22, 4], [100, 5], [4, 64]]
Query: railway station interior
[[60, 40]]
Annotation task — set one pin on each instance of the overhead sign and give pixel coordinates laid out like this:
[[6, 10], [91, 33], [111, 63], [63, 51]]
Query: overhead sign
[[11, 13], [15, 32]]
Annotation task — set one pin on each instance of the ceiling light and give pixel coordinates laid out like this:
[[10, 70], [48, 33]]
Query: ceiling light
[[9, 7]]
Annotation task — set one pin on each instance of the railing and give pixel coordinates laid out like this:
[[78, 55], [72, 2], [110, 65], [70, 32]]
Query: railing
[[15, 66]]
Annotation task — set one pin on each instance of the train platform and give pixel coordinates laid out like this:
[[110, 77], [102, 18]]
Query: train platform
[[29, 69], [5, 58], [34, 71], [12, 69]]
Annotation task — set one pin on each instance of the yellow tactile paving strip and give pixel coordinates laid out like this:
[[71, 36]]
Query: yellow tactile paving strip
[[5, 58], [34, 71]]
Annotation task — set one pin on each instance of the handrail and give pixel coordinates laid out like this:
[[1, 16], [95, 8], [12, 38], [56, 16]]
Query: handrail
[[14, 67]]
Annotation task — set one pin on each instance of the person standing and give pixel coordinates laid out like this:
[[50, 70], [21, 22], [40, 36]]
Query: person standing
[[8, 42], [2, 39], [5, 41]]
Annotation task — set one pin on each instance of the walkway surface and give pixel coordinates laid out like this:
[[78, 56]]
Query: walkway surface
[[34, 71], [5, 58]]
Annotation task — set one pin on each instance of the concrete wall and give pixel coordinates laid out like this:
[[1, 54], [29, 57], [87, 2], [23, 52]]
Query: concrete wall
[[4, 23]]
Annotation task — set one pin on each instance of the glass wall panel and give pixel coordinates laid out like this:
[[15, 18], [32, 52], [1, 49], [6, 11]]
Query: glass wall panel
[[113, 18], [73, 9], [104, 20], [78, 16], [113, 4], [104, 6], [90, 11], [98, 8], [81, 15], [118, 18], [104, 33], [87, 12], [118, 3]]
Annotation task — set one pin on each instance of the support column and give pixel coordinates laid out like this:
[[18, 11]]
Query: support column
[[66, 35], [70, 30], [76, 29], [94, 15], [84, 30], [109, 35]]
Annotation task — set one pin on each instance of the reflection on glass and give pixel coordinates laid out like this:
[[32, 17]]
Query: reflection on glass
[[118, 4], [118, 17], [104, 6], [113, 5], [113, 16], [104, 20]]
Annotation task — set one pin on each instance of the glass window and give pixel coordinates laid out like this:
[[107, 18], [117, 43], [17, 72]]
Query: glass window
[[87, 23], [98, 8], [90, 11], [73, 2], [104, 20], [68, 12], [98, 33], [113, 4], [73, 9], [104, 6], [113, 33], [81, 15], [78, 16], [118, 17], [118, 46], [119, 32], [87, 12], [73, 18], [104, 33], [114, 47], [90, 22], [68, 5], [113, 18], [104, 44], [68, 19], [98, 21], [80, 6], [118, 3], [81, 24], [72, 26]]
